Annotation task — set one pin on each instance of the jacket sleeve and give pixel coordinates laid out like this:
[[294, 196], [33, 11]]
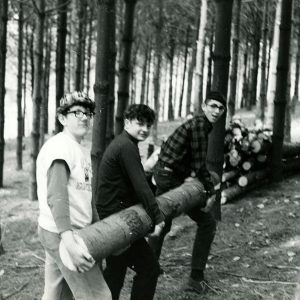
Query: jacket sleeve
[[131, 162]]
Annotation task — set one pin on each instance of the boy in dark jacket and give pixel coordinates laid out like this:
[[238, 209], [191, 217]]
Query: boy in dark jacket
[[122, 183]]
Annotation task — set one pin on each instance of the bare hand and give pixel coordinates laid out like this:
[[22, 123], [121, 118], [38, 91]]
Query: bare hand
[[157, 229], [209, 204], [80, 257]]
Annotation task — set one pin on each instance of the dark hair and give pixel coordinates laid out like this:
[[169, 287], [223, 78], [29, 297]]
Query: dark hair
[[75, 98], [141, 112], [215, 95]]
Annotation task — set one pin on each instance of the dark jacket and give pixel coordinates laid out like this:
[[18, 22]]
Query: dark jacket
[[122, 181]]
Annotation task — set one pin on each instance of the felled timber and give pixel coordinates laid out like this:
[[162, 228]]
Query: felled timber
[[290, 150], [121, 229], [254, 180]]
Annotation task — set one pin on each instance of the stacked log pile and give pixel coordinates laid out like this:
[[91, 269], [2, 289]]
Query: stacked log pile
[[247, 159]]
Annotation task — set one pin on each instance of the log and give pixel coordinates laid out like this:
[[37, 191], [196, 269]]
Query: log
[[254, 179], [227, 176], [119, 230], [290, 150]]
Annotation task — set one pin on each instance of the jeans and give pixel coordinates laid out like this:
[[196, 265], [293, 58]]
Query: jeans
[[206, 223], [63, 284], [141, 259]]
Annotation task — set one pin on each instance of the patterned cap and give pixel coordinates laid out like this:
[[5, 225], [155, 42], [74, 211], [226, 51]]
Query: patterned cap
[[75, 98]]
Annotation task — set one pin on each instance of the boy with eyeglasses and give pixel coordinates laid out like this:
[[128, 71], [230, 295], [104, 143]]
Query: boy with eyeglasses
[[183, 154], [65, 202], [122, 183]]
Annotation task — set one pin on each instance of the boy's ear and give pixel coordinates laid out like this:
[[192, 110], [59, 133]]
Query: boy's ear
[[62, 119], [126, 123]]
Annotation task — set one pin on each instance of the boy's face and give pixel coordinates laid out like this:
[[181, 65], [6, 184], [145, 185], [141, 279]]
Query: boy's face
[[137, 129], [76, 121], [213, 110]]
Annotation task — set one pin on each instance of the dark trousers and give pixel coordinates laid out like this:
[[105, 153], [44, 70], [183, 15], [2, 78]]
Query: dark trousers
[[206, 223], [141, 259]]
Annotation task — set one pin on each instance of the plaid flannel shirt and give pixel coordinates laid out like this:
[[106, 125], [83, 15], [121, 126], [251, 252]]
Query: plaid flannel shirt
[[186, 148]]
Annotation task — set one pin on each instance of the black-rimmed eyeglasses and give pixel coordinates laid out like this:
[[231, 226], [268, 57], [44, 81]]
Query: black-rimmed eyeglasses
[[79, 114]]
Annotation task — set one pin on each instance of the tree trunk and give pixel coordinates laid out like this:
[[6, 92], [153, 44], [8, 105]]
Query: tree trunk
[[263, 80], [80, 43], [101, 88], [60, 67], [31, 54], [297, 29], [272, 69], [144, 71], [215, 153], [171, 60], [3, 36], [89, 48], [133, 73], [26, 50], [83, 45], [124, 74], [37, 94], [235, 60], [200, 44], [47, 77], [157, 64], [245, 77], [19, 88], [45, 84], [148, 75], [281, 89], [112, 73], [210, 58], [193, 59], [254, 71], [184, 68]]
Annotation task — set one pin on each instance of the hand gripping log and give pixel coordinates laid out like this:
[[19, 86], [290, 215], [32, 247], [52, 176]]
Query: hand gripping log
[[119, 230]]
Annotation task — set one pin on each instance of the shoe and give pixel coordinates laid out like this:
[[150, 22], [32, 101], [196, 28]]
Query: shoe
[[200, 287]]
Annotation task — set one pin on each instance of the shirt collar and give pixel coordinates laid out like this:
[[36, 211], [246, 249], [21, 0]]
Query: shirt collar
[[125, 133]]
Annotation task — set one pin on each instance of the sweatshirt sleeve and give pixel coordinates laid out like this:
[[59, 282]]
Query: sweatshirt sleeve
[[131, 161], [57, 194]]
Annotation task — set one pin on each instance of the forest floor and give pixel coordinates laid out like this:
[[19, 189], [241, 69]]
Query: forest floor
[[255, 255]]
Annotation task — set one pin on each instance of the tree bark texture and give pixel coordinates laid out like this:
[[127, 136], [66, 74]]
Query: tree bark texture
[[198, 70], [157, 64], [112, 73], [235, 60], [171, 61], [80, 53], [124, 74], [281, 88], [263, 76], [215, 153], [184, 69], [3, 36], [101, 88], [20, 88], [37, 97], [60, 67], [193, 58], [271, 92]]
